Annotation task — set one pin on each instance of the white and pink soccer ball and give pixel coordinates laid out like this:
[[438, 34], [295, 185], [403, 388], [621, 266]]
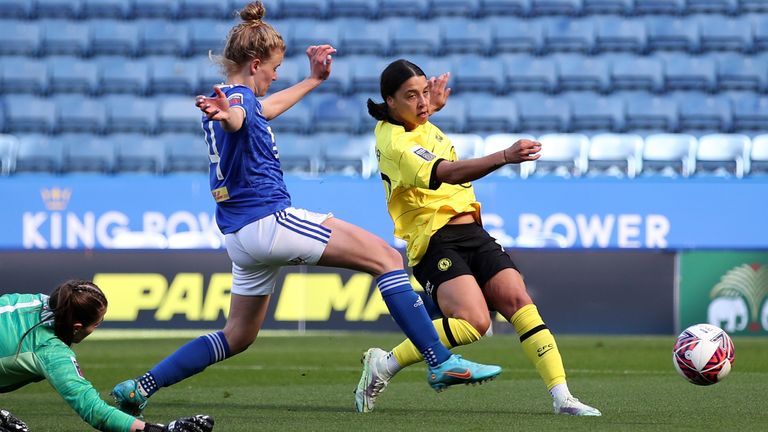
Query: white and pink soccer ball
[[703, 354]]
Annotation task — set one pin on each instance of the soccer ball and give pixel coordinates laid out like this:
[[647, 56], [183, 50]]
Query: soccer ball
[[703, 354]]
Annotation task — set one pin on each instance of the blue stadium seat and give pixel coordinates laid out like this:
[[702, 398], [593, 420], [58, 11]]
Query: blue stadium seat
[[671, 33], [76, 113], [504, 7], [465, 36], [9, 146], [499, 141], [353, 8], [39, 153], [19, 9], [555, 7], [466, 145], [19, 38], [307, 32], [185, 152], [171, 75], [409, 36], [512, 35], [750, 111], [64, 37], [303, 8], [72, 75], [637, 73], [543, 113], [749, 6], [130, 114], [57, 8], [711, 6], [473, 73], [667, 7], [135, 153], [403, 8], [620, 34], [87, 154], [348, 154], [366, 74], [209, 74], [568, 34], [298, 119], [724, 34], [464, 8], [592, 112], [207, 35], [434, 66], [23, 75], [669, 155], [367, 123], [451, 118], [299, 154], [178, 114], [722, 155], [31, 114], [704, 112], [736, 72], [117, 9], [758, 160], [524, 73], [340, 78], [562, 155], [486, 113], [682, 72], [291, 71], [650, 113], [359, 36], [335, 114], [619, 7], [122, 75], [215, 9], [160, 37], [575, 72], [617, 155], [113, 37], [760, 30], [155, 9]]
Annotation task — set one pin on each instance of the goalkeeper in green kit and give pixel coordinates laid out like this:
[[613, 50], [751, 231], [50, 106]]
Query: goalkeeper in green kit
[[35, 338]]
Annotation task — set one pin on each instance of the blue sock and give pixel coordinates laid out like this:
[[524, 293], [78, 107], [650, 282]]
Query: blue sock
[[186, 361], [408, 310]]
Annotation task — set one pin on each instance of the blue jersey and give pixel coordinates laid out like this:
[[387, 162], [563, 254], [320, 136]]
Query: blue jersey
[[245, 175]]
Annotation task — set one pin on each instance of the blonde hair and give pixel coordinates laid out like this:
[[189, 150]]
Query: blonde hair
[[251, 39]]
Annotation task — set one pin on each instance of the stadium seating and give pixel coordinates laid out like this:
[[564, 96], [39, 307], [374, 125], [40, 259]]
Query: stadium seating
[[651, 113], [353, 8], [512, 35], [16, 9], [504, 7], [23, 75], [35, 115], [403, 8], [345, 155], [39, 154], [576, 73], [77, 113], [671, 33], [563, 155], [616, 155], [704, 112], [750, 111], [335, 114], [299, 154], [205, 35], [467, 146], [569, 34], [64, 37], [160, 37], [203, 9], [298, 119], [154, 9], [85, 153], [122, 75], [451, 118], [359, 36], [595, 113], [711, 6], [736, 72], [72, 75], [303, 8], [57, 8], [722, 155], [758, 161], [473, 73], [615, 33], [555, 7], [669, 155], [523, 73], [131, 114], [462, 36], [117, 9], [636, 73], [113, 37], [748, 6], [178, 114], [184, 153], [669, 7], [486, 113], [411, 36], [171, 75], [544, 114], [497, 142], [135, 153], [453, 7], [19, 38], [9, 145], [607, 6], [682, 72], [725, 34]]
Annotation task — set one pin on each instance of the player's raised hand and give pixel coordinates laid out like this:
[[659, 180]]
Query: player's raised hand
[[217, 107], [522, 150], [320, 60], [438, 91], [198, 423], [11, 423]]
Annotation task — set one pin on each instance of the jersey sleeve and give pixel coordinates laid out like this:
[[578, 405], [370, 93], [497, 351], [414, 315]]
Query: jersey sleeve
[[63, 373], [415, 164], [243, 100]]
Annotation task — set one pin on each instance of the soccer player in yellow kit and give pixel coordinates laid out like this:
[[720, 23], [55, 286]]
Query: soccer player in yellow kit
[[433, 206]]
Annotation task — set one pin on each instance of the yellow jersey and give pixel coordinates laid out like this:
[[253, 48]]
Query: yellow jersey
[[418, 203]]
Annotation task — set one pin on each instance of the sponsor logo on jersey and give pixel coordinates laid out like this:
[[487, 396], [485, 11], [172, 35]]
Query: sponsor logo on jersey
[[444, 264], [220, 194], [423, 153], [77, 367], [235, 99]]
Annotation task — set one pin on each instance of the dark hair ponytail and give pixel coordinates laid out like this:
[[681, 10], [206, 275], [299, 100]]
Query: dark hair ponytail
[[392, 77], [75, 301]]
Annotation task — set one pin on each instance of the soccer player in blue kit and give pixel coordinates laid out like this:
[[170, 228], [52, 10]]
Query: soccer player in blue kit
[[263, 232]]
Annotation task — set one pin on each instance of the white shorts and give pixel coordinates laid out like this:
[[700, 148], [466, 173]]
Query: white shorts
[[258, 250]]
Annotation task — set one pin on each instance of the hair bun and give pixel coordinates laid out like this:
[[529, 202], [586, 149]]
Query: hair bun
[[253, 11]]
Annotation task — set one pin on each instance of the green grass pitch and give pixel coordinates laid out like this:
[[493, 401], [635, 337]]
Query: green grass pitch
[[305, 383]]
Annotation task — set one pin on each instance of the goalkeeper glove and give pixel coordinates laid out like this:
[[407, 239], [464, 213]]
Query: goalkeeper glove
[[198, 423], [10, 423]]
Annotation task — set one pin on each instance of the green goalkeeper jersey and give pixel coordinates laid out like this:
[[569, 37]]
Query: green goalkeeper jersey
[[44, 356]]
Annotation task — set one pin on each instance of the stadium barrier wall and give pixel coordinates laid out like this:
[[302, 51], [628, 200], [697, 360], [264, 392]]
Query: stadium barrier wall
[[602, 291], [87, 212]]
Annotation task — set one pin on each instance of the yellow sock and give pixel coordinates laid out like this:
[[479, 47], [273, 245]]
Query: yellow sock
[[452, 331], [539, 345]]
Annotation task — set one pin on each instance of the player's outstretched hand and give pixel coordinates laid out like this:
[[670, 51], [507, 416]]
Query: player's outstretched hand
[[217, 107], [522, 150], [320, 59], [438, 91], [198, 423], [11, 423]]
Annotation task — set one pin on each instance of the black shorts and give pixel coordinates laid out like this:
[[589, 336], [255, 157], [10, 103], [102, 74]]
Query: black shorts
[[456, 250]]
